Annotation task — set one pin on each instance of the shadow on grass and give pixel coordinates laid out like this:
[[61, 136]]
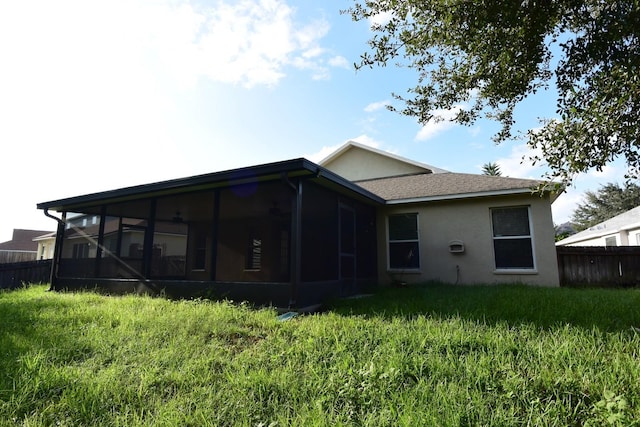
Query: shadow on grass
[[608, 310]]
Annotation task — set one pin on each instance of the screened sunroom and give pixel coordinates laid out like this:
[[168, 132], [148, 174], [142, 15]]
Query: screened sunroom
[[288, 234]]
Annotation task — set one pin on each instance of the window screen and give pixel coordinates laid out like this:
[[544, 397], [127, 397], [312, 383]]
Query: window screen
[[512, 240], [404, 245]]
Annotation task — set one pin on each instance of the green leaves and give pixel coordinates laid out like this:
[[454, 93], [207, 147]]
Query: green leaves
[[610, 200], [494, 54]]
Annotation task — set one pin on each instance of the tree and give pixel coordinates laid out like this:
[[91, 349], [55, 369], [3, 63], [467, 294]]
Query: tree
[[492, 169], [610, 200], [487, 56]]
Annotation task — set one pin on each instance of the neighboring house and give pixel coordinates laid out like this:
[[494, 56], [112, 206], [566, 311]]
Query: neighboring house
[[621, 230], [21, 247], [295, 233], [46, 245]]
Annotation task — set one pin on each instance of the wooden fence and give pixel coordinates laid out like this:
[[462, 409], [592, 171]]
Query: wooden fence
[[14, 274], [7, 257], [614, 266]]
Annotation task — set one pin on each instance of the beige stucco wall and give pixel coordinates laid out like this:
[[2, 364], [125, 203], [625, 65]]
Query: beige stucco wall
[[45, 248], [470, 221], [356, 164]]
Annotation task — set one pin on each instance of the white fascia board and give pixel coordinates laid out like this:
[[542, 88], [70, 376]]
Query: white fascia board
[[630, 226], [459, 196]]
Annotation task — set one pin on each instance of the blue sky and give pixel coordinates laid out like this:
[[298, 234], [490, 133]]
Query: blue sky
[[98, 95]]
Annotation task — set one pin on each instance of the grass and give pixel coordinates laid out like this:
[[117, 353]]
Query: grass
[[427, 355]]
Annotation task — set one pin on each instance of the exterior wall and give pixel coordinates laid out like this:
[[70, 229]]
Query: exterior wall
[[470, 222], [633, 237], [45, 248], [356, 164], [597, 241]]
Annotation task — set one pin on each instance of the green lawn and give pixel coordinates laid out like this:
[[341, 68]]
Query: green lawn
[[427, 355]]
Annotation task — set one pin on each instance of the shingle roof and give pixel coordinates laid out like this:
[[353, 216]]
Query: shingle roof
[[22, 240], [443, 186]]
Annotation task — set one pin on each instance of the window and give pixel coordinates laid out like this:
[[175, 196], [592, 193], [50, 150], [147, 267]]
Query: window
[[404, 245], [512, 240], [611, 241], [80, 250]]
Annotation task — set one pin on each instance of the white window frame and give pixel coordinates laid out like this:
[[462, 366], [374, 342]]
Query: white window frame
[[530, 236], [416, 240]]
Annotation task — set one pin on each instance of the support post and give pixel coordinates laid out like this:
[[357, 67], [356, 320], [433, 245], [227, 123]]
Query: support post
[[214, 233], [57, 252], [148, 240], [296, 243]]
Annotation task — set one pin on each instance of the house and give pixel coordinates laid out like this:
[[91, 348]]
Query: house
[[21, 247], [295, 233], [621, 230], [453, 227], [45, 245]]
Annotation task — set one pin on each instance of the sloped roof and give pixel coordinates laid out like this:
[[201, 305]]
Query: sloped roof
[[353, 144], [445, 186], [625, 221], [22, 240], [269, 171]]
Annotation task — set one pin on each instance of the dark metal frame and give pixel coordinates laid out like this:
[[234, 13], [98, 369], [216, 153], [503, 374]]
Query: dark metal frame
[[294, 174]]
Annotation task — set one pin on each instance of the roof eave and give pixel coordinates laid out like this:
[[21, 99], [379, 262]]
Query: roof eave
[[445, 197], [292, 168]]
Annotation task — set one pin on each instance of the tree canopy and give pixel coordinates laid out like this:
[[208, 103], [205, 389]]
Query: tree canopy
[[490, 55], [610, 200]]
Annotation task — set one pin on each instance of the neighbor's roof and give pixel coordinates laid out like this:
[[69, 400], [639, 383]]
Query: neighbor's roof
[[445, 186], [22, 240], [352, 144], [625, 221]]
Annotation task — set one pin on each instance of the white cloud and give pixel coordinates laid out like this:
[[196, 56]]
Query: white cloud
[[475, 131], [375, 106], [442, 123], [367, 140], [322, 153], [90, 87], [380, 19], [339, 62], [314, 52], [251, 42], [518, 165], [562, 209]]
